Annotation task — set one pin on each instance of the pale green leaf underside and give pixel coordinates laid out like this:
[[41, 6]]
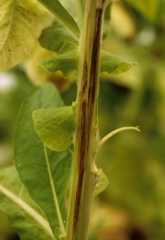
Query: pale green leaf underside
[[102, 183], [20, 25], [149, 8], [23, 213], [62, 14], [114, 64], [55, 127], [68, 64], [45, 173]]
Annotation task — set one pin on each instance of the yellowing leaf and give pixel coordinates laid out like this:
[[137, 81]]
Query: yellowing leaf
[[21, 23], [122, 21], [36, 74]]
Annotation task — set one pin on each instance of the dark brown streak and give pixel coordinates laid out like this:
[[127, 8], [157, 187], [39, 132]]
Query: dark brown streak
[[84, 77], [93, 88], [95, 57], [81, 147], [87, 110]]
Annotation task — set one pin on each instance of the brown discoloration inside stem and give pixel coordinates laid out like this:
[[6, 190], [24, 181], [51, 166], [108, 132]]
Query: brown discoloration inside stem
[[80, 166], [85, 175], [95, 56], [87, 110], [81, 146]]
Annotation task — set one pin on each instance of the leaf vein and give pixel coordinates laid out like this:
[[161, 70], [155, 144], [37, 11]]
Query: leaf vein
[[54, 193], [30, 211]]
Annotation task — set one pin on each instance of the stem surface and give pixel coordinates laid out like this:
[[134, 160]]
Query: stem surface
[[84, 173]]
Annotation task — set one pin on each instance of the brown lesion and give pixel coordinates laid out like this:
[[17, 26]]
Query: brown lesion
[[86, 112], [81, 166], [95, 58]]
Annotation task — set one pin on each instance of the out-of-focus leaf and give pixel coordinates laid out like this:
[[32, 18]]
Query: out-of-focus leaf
[[25, 217], [21, 23], [102, 183], [62, 14], [45, 173], [58, 38], [67, 63], [149, 8], [114, 64], [55, 127], [36, 74], [106, 25], [123, 21]]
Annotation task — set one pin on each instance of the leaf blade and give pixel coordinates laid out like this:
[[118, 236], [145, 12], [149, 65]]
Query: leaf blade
[[55, 127], [58, 38], [24, 215], [18, 18], [114, 64], [30, 158], [54, 192], [67, 63], [101, 184], [62, 14]]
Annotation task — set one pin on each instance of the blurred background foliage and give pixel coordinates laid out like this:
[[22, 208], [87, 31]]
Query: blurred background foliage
[[133, 205]]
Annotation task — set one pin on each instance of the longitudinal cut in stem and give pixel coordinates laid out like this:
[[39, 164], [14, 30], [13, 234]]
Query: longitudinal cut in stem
[[84, 173]]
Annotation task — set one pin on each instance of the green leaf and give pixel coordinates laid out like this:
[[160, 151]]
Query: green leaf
[[45, 173], [55, 127], [21, 23], [58, 38], [106, 26], [62, 14], [114, 64], [23, 213], [80, 12], [102, 183], [149, 8], [67, 63]]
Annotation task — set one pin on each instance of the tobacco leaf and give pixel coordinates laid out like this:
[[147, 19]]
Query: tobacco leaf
[[44, 172]]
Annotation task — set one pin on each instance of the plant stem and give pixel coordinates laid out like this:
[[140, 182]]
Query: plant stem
[[84, 173], [111, 134]]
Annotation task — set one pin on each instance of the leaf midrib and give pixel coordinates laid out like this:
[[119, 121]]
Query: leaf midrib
[[54, 193], [29, 210]]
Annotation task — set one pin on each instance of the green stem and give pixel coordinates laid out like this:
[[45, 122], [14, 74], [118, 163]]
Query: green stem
[[84, 173]]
